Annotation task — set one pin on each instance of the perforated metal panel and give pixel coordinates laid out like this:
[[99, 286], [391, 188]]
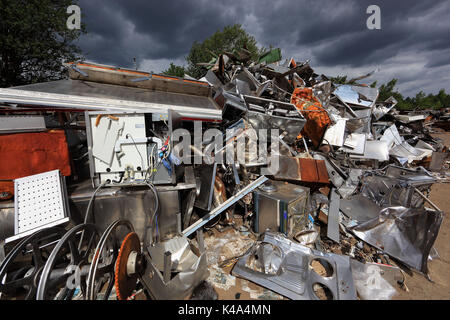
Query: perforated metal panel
[[39, 201]]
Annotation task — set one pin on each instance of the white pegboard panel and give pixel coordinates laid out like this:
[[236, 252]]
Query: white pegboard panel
[[39, 202]]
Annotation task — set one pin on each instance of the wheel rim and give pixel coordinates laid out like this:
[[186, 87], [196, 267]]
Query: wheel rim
[[94, 271], [79, 256], [28, 280]]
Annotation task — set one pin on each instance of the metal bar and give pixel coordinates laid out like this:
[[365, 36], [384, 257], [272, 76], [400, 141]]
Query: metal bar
[[167, 266], [306, 147], [333, 217], [84, 74], [189, 208], [216, 211], [236, 175], [2, 251], [179, 228], [200, 241], [426, 199], [83, 103]]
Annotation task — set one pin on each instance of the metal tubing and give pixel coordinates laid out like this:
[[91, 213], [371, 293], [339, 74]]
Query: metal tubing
[[426, 199], [216, 211]]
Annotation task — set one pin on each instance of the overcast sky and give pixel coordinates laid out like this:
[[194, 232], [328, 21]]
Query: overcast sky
[[413, 44]]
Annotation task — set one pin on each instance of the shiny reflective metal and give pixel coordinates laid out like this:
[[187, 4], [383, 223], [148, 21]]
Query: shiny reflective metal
[[300, 169], [272, 114], [206, 175], [82, 95], [333, 216], [285, 267], [21, 123], [280, 207], [359, 208], [131, 203], [225, 205], [407, 234], [377, 150], [380, 109], [182, 257], [192, 269], [357, 95]]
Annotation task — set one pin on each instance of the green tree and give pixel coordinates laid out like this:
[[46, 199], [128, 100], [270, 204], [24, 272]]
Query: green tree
[[35, 41], [230, 39], [339, 80], [387, 90], [174, 70]]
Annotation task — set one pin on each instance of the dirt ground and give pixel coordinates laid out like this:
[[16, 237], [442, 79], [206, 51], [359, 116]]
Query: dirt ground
[[229, 287]]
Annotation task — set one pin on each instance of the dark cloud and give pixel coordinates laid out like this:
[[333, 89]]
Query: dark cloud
[[413, 40], [440, 60]]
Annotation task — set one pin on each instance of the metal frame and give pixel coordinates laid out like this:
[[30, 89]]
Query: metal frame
[[83, 103]]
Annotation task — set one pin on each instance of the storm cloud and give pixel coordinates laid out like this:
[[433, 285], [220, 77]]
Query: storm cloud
[[412, 45]]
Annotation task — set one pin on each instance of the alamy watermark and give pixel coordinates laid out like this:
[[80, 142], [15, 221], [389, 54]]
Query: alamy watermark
[[74, 20], [374, 20]]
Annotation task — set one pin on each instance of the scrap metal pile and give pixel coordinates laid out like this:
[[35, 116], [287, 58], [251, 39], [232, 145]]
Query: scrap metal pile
[[332, 182]]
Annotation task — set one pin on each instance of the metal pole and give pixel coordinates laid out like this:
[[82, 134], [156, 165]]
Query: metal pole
[[167, 266], [216, 211], [200, 240], [426, 199]]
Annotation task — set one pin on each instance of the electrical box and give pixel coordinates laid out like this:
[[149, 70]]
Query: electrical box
[[127, 148]]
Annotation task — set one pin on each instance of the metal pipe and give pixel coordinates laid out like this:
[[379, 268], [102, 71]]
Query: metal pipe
[[178, 215], [225, 205], [426, 199]]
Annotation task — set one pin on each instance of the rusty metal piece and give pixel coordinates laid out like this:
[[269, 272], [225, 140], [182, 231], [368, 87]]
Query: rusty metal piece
[[123, 282], [302, 169], [219, 189], [220, 197]]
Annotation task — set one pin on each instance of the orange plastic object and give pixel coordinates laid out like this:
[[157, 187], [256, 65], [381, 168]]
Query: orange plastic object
[[25, 154], [317, 120]]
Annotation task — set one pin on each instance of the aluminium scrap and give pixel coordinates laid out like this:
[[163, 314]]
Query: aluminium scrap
[[407, 234], [286, 269]]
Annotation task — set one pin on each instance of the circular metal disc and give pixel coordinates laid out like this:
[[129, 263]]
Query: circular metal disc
[[125, 284]]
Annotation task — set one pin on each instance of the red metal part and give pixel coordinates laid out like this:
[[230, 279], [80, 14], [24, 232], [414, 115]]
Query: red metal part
[[124, 283], [25, 154]]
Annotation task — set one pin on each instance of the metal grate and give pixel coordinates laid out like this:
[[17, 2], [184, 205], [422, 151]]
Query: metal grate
[[39, 201]]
